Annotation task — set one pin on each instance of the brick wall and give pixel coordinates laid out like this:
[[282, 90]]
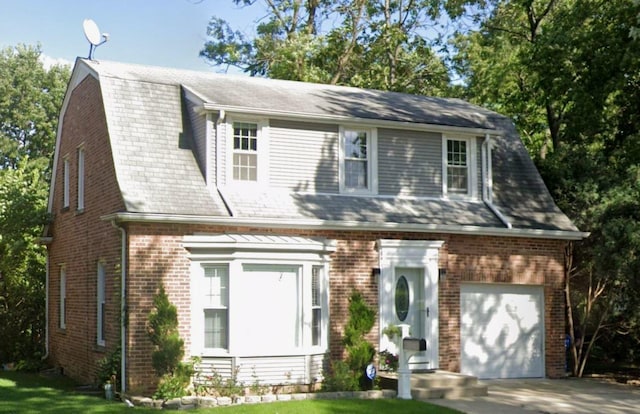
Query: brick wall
[[466, 258], [81, 240]]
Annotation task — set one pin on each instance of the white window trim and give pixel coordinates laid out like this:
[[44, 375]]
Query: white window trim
[[63, 298], [372, 167], [262, 152], [66, 173], [81, 177], [202, 307], [211, 250], [100, 303], [472, 164]]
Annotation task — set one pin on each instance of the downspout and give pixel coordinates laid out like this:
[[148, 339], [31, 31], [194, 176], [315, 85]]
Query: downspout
[[487, 181], [46, 310], [123, 308]]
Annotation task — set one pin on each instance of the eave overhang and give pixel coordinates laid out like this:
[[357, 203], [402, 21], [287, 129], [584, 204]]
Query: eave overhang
[[332, 118], [279, 223]]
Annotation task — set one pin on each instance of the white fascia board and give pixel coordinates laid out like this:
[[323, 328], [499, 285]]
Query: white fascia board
[[329, 118], [346, 225], [195, 97], [257, 243], [80, 71]]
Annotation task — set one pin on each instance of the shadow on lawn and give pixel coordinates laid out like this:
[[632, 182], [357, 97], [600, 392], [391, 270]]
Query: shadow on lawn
[[35, 393]]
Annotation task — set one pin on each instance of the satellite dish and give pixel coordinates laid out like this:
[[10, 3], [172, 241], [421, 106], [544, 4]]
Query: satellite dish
[[91, 32], [93, 35]]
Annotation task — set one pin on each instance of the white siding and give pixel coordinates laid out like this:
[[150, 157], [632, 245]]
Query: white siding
[[297, 369], [410, 163], [220, 366], [304, 156], [199, 131]]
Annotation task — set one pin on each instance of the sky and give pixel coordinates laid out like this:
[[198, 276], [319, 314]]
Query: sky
[[152, 32]]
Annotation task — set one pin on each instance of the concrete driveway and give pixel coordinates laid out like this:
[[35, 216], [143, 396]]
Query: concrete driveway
[[571, 395]]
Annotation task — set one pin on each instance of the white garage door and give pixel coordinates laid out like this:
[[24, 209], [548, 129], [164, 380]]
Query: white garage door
[[502, 332]]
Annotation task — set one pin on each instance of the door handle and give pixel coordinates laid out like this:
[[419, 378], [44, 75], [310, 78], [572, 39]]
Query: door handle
[[427, 311]]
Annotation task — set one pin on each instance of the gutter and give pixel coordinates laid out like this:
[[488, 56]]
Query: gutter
[[316, 224], [487, 182], [123, 308]]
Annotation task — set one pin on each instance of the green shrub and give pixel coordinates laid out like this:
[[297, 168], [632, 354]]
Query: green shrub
[[163, 332], [349, 375], [109, 368], [174, 385], [168, 349]]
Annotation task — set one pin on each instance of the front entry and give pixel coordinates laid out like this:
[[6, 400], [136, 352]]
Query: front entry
[[409, 295], [412, 309]]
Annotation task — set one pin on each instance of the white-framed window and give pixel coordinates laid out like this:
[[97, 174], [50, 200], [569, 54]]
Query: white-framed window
[[459, 164], [66, 172], [215, 305], [358, 158], [249, 301], [80, 179], [63, 298], [101, 305], [247, 153], [316, 305]]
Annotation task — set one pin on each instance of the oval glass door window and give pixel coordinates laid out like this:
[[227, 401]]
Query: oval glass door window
[[402, 298]]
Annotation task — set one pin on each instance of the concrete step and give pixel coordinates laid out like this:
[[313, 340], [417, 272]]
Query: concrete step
[[438, 384], [442, 379]]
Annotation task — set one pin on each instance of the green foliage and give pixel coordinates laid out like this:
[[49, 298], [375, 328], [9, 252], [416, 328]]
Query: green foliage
[[388, 361], [340, 378], [218, 386], [164, 334], [168, 350], [174, 385], [360, 352], [30, 99], [109, 368], [374, 45]]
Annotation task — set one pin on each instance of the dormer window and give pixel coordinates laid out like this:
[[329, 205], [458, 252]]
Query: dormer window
[[357, 160], [247, 151], [459, 160]]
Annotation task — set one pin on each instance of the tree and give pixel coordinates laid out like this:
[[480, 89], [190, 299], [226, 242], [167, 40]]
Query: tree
[[30, 100], [567, 72], [378, 44]]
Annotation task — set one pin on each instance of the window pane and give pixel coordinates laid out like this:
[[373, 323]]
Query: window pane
[[315, 287], [457, 171], [215, 328], [245, 167], [457, 180], [355, 174], [216, 283], [316, 329], [355, 144]]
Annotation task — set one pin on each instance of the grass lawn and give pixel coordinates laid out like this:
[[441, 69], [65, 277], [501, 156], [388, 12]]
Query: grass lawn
[[32, 393]]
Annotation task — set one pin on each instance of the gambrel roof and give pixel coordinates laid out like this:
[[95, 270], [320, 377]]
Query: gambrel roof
[[161, 179]]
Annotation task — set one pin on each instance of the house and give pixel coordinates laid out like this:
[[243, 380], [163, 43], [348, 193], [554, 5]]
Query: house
[[262, 204]]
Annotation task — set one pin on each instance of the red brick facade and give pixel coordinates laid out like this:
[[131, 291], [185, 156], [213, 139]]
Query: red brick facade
[[155, 255]]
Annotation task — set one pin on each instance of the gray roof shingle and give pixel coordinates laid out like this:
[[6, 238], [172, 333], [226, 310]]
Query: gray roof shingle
[[158, 172]]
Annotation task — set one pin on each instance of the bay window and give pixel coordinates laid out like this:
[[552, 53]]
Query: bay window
[[258, 296]]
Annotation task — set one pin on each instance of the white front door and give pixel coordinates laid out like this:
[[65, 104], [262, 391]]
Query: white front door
[[408, 293], [412, 309]]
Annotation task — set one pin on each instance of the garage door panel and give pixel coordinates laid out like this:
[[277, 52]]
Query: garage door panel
[[501, 331]]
